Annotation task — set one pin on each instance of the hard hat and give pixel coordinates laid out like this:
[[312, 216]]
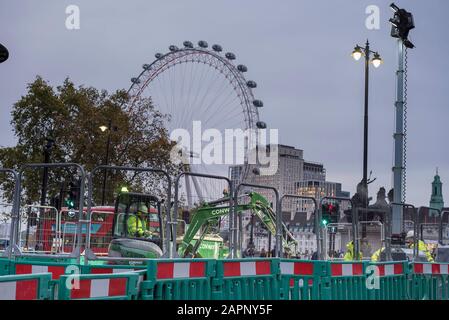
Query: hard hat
[[143, 208], [410, 234]]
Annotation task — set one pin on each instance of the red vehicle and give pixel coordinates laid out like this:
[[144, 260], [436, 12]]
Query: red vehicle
[[57, 233]]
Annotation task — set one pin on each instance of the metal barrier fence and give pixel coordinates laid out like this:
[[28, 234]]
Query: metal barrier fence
[[79, 217]]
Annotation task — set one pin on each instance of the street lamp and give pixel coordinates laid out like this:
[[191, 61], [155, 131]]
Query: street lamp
[[103, 128], [4, 54], [376, 61]]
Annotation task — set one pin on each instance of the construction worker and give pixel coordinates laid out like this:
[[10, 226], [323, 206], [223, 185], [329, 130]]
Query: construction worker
[[137, 223], [349, 255], [422, 248], [376, 255]]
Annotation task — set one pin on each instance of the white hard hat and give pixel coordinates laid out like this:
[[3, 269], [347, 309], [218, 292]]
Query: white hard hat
[[410, 234]]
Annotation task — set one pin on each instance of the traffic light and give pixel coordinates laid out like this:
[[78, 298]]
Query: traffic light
[[330, 213], [74, 191]]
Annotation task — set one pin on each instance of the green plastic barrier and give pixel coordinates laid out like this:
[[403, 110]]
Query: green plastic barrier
[[356, 280], [116, 286], [178, 279], [4, 266], [344, 281], [300, 279], [429, 281], [25, 287], [387, 280], [246, 279], [33, 266]]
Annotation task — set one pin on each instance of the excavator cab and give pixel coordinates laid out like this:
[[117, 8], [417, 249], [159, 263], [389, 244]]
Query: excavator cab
[[126, 243]]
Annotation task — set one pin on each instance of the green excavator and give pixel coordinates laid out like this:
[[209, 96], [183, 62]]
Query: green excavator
[[201, 238]]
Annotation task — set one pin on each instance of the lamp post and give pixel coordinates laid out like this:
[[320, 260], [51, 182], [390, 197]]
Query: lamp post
[[103, 128], [376, 61]]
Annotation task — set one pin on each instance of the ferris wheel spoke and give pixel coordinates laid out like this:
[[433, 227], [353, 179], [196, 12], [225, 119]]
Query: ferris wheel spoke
[[209, 90], [222, 107], [211, 109]]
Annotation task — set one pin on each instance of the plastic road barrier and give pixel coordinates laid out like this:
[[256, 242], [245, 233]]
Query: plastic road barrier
[[430, 281], [4, 266], [115, 286], [25, 287], [178, 279], [346, 281], [300, 280], [245, 279], [387, 280]]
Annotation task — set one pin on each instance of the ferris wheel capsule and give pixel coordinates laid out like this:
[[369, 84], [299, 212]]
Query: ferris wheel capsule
[[230, 56], [251, 84], [242, 68], [261, 125], [188, 44], [173, 48], [258, 103], [217, 48], [146, 66], [158, 55], [202, 44], [135, 80]]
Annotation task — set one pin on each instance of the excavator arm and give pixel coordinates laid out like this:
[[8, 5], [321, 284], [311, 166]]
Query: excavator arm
[[209, 214]]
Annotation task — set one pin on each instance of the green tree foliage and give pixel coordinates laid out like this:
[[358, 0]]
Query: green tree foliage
[[72, 116]]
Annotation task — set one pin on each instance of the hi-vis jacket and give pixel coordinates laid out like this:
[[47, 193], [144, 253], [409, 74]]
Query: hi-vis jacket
[[349, 255], [136, 227], [422, 248]]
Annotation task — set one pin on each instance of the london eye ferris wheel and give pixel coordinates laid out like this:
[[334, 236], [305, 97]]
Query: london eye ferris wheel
[[201, 88]]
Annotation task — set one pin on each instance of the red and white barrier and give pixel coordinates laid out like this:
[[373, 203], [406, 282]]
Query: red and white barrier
[[251, 268], [97, 288], [390, 269], [297, 268], [175, 270], [430, 268], [346, 269], [56, 271], [19, 290]]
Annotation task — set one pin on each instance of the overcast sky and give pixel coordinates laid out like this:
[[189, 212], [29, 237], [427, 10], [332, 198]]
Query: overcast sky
[[298, 52]]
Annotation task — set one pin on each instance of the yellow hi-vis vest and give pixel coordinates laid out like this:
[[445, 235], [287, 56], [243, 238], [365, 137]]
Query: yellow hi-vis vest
[[136, 227]]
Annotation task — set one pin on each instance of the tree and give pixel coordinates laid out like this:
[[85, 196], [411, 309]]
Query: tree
[[72, 117]]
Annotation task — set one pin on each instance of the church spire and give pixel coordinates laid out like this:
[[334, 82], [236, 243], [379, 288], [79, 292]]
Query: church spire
[[436, 199]]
